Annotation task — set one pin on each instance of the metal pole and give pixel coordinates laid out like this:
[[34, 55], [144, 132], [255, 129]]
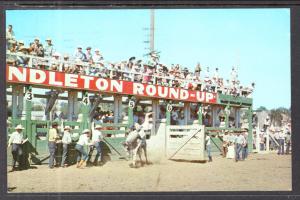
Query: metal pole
[[70, 105], [186, 112], [168, 113], [85, 111], [116, 108], [130, 112], [155, 115], [152, 24]]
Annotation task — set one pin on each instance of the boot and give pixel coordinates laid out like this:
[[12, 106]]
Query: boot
[[83, 164], [209, 159], [79, 163]]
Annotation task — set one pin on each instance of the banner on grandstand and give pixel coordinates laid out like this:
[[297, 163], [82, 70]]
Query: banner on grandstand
[[91, 83]]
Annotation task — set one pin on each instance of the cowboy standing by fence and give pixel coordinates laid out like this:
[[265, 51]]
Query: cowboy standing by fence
[[281, 137], [82, 142], [208, 148], [239, 141], [16, 140], [288, 142], [66, 140], [97, 138], [53, 138]]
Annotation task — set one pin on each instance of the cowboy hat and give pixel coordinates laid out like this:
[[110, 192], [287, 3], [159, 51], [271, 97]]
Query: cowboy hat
[[24, 48], [56, 54], [137, 126], [86, 131], [19, 127], [131, 58], [67, 127], [98, 126]]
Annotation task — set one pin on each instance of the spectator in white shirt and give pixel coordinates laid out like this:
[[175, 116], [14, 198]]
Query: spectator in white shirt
[[97, 58], [66, 141]]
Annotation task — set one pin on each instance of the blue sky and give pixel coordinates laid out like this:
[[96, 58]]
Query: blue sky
[[257, 40]]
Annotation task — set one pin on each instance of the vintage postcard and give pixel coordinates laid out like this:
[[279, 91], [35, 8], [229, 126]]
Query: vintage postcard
[[148, 100]]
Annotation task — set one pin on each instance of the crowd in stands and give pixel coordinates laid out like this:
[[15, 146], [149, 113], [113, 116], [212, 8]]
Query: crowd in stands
[[41, 56]]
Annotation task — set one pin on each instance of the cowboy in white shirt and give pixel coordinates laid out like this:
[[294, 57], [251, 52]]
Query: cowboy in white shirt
[[82, 142], [239, 142], [208, 147], [225, 138], [16, 140], [97, 137], [66, 140]]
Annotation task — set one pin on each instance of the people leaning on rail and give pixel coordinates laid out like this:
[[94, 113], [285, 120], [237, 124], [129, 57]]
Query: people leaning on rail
[[150, 71]]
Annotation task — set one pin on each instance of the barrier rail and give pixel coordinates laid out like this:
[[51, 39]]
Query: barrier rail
[[101, 70]]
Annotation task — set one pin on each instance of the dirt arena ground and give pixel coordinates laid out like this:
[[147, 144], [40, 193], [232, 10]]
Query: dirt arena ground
[[256, 173]]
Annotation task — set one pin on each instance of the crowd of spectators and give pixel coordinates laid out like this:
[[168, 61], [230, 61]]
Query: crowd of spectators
[[41, 56]]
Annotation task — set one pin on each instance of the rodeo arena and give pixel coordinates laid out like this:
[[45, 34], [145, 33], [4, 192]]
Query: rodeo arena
[[83, 114]]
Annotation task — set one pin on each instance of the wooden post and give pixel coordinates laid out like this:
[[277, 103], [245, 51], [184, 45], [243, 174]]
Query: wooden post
[[237, 117], [20, 89], [168, 113], [200, 114], [155, 115], [85, 111], [26, 116], [257, 144], [214, 116], [186, 112], [120, 109], [14, 102], [72, 105], [227, 113], [268, 140], [116, 108], [250, 137], [27, 109], [131, 105]]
